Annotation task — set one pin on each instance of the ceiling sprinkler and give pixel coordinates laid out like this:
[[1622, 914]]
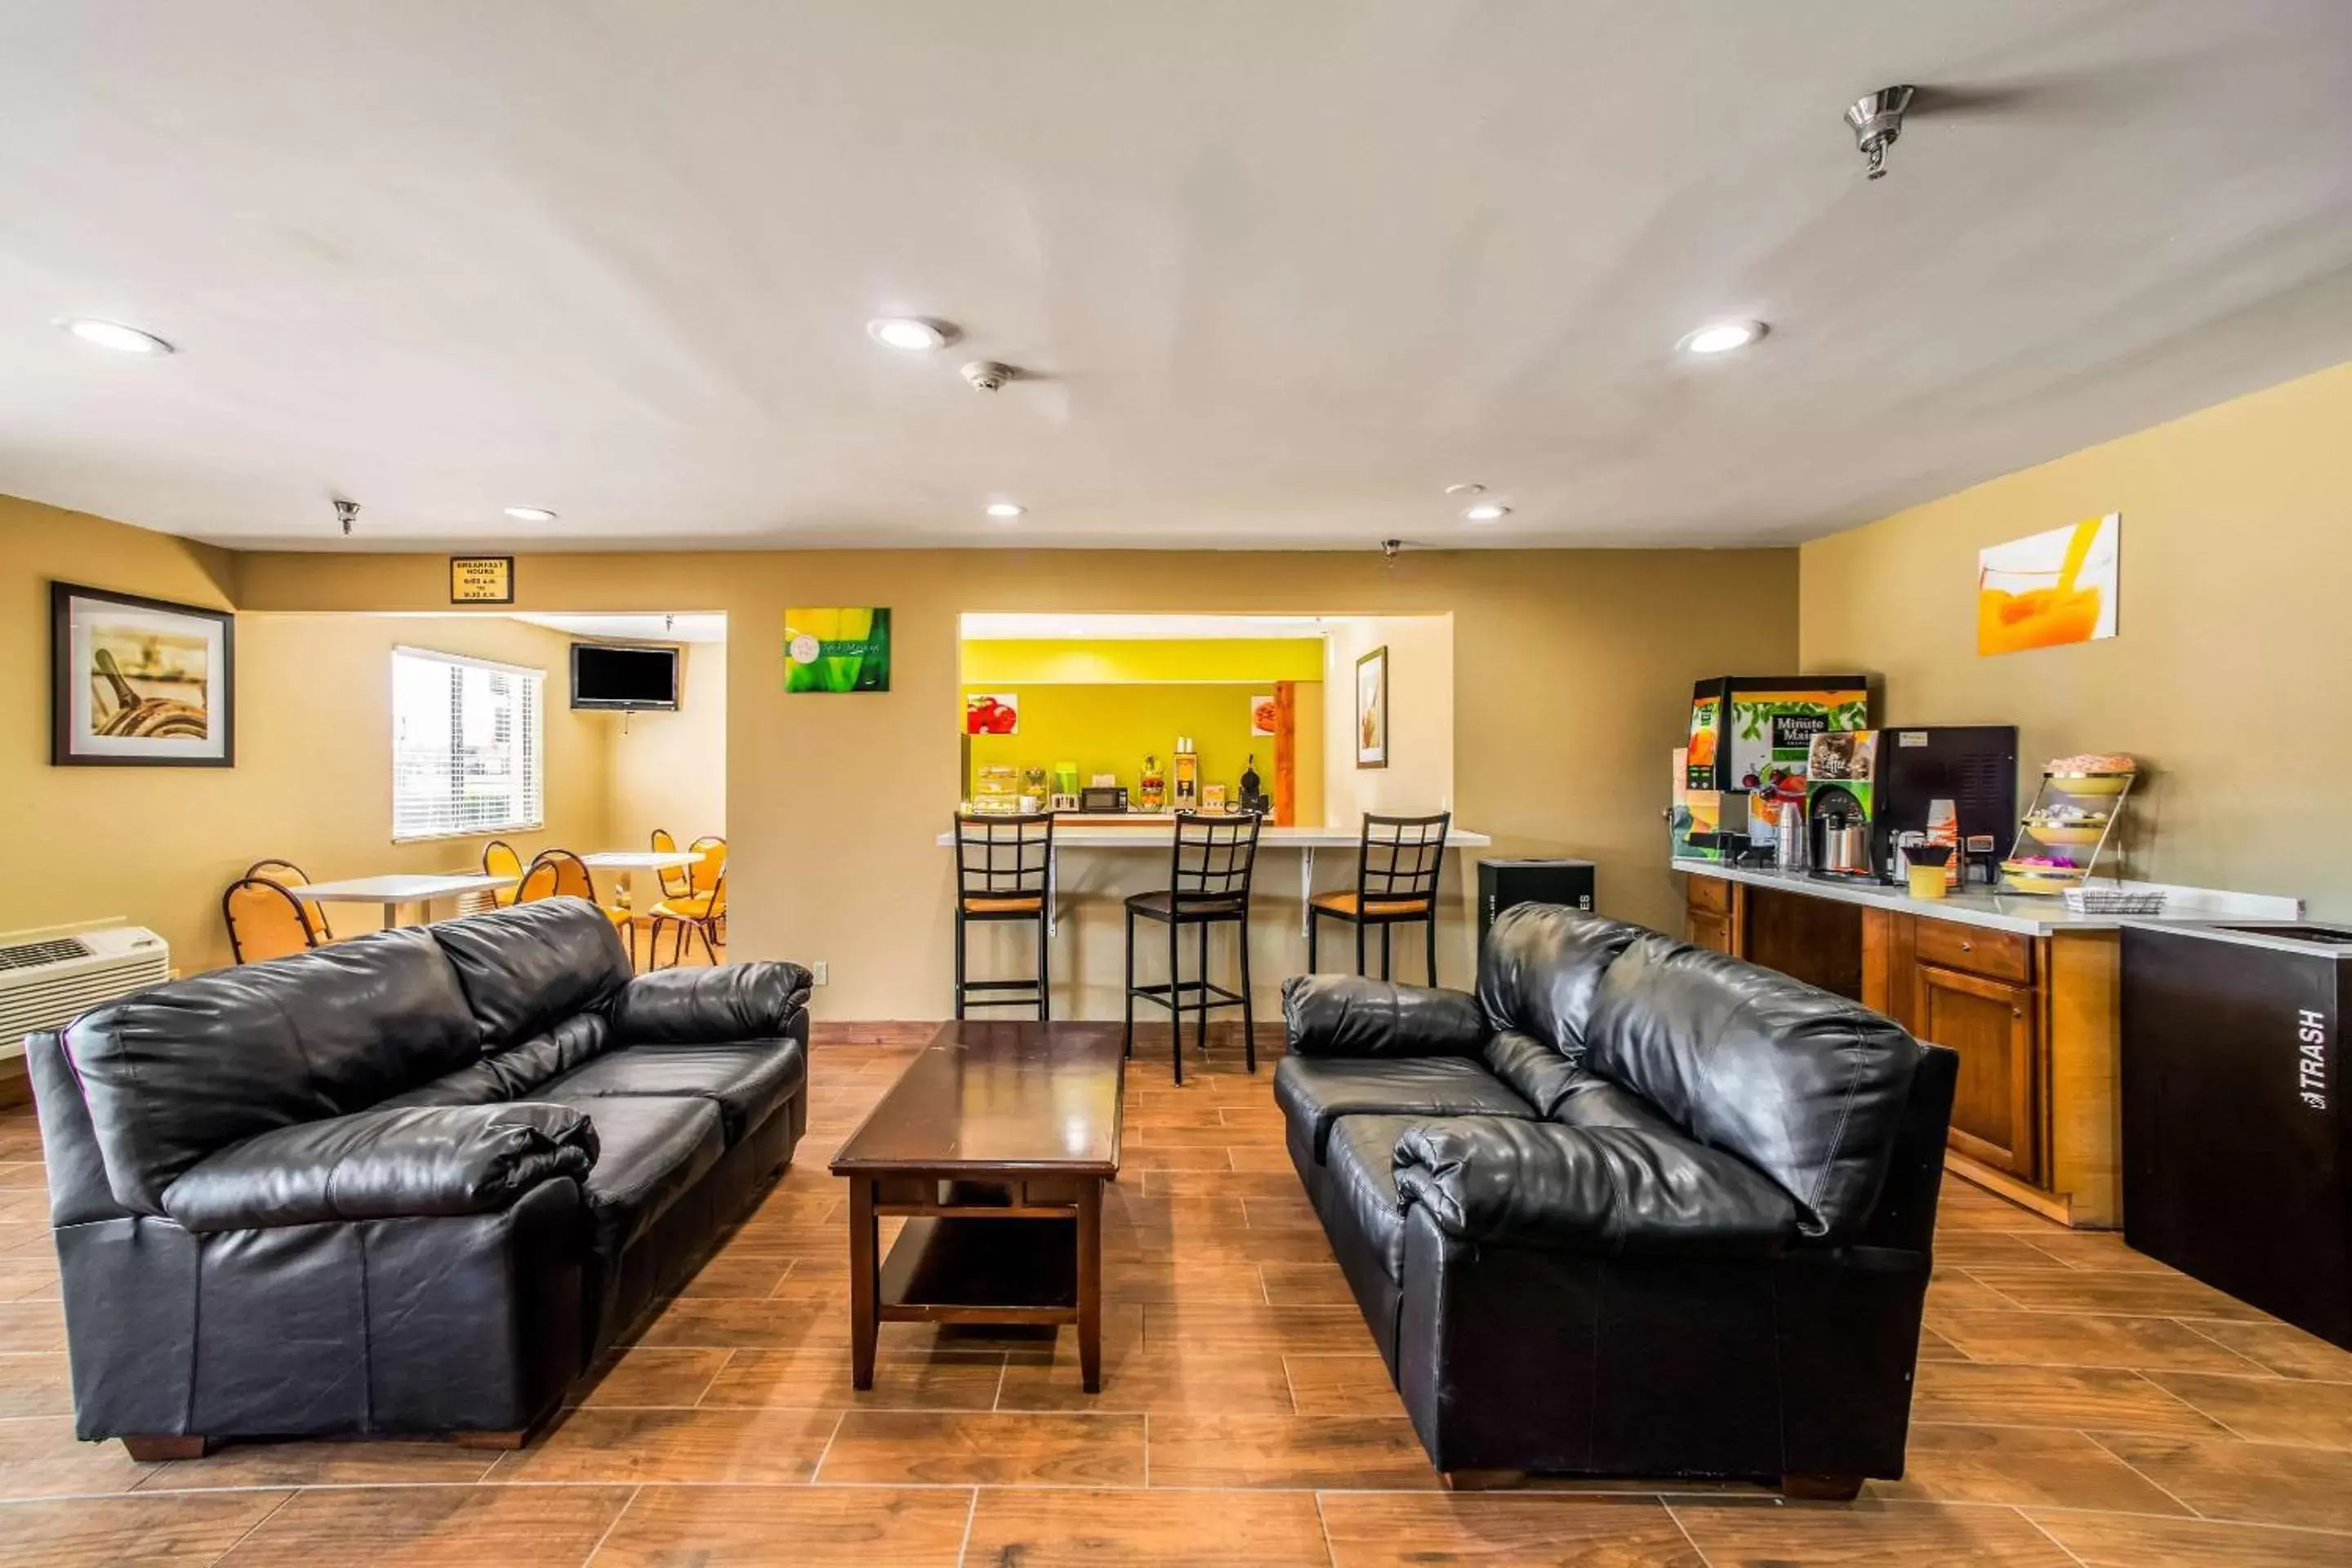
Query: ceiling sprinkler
[[1877, 120], [345, 512]]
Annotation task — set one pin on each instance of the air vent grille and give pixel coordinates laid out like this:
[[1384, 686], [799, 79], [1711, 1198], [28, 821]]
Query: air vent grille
[[32, 954]]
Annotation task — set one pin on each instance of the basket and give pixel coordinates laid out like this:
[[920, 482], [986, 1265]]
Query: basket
[[2114, 901]]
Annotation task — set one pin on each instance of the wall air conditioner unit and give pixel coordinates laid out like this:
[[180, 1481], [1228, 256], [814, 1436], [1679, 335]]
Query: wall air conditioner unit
[[51, 977]]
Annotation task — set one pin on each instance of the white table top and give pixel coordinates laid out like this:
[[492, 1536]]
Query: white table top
[[401, 888], [643, 859], [1158, 836], [2025, 913]]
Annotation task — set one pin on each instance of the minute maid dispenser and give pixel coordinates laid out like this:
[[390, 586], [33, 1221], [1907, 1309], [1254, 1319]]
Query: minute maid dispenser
[[1749, 739]]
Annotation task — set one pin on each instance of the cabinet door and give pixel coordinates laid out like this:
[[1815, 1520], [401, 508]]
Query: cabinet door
[[1704, 927], [1990, 1023]]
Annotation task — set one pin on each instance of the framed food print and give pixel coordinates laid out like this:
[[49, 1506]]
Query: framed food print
[[140, 682], [1372, 709]]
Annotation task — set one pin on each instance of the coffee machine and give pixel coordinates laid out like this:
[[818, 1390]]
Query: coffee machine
[[1866, 788]]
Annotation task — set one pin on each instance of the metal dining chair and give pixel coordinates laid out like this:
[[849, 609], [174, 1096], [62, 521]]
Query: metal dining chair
[[1003, 873], [1208, 885], [1397, 865]]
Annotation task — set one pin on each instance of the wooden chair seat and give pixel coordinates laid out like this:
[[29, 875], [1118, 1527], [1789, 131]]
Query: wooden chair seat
[[1348, 906], [1021, 905]]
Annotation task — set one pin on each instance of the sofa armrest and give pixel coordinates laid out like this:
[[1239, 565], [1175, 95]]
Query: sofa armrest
[[416, 1161], [1604, 1191], [704, 1007], [1350, 1016]]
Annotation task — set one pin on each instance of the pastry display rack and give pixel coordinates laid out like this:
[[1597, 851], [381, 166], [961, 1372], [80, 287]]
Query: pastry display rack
[[2067, 831]]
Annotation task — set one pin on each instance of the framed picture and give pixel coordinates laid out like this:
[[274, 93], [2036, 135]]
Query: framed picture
[[1372, 709], [1266, 715], [845, 649], [140, 682], [991, 713], [2050, 589]]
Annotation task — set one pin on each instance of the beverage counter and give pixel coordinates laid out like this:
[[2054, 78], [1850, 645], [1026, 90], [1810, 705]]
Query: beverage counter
[[2022, 988]]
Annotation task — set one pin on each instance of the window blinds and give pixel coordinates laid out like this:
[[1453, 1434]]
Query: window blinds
[[467, 746]]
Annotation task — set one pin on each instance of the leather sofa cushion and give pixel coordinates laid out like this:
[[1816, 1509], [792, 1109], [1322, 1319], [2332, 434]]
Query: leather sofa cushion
[[1808, 1086], [1361, 1209], [193, 1066], [1355, 1016], [522, 1068], [1606, 1192], [652, 1150], [528, 967], [692, 1006], [1318, 1091], [1541, 968], [1592, 1100], [421, 1162], [746, 1080], [1541, 1075]]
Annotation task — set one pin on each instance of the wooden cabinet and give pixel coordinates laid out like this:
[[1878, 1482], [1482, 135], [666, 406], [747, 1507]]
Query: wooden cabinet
[[1704, 927], [1991, 1023], [2032, 1017]]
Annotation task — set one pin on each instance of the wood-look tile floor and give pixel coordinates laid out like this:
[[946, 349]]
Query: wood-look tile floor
[[2078, 1405]]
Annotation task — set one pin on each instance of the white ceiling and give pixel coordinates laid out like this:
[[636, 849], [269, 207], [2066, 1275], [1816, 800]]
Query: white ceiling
[[1285, 271], [695, 627]]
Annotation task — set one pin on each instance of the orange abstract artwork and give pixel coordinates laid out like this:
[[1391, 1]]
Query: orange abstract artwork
[[2049, 589]]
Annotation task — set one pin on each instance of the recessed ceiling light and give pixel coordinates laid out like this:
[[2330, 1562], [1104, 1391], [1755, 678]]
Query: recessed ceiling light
[[912, 333], [1721, 337], [1487, 512], [114, 335], [1466, 490], [1005, 510], [531, 514]]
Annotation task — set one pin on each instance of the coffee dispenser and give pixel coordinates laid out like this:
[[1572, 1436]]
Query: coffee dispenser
[[1864, 789]]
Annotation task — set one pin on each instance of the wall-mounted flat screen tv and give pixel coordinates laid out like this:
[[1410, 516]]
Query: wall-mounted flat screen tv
[[605, 675]]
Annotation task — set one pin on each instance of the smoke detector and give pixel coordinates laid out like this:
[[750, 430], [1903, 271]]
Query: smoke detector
[[987, 375], [1877, 120]]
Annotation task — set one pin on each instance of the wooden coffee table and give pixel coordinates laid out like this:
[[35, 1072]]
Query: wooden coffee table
[[994, 1145]]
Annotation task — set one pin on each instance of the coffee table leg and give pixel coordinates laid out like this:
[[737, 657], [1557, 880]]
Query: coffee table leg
[[1090, 1285], [864, 1321]]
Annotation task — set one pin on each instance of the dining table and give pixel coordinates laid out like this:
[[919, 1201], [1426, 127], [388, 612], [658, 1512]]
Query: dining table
[[399, 892], [629, 862]]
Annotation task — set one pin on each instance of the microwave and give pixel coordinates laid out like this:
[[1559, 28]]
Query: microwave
[[1106, 798]]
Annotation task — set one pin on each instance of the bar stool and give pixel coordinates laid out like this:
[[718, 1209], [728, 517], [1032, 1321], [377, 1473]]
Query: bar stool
[[1003, 872], [1397, 862], [1208, 884]]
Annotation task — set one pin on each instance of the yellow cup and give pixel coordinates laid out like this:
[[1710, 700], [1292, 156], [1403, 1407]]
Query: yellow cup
[[1927, 881]]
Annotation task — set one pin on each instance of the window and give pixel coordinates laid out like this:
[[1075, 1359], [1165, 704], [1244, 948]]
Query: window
[[466, 746]]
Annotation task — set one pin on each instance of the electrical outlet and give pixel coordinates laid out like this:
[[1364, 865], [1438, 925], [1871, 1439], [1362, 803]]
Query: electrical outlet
[[816, 972]]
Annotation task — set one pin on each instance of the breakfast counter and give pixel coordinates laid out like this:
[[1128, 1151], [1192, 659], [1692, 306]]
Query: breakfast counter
[[2024, 988], [1156, 831], [2023, 913]]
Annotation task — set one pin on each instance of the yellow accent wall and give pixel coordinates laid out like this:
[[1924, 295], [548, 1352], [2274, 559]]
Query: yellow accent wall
[[1111, 728], [2225, 678], [988, 662]]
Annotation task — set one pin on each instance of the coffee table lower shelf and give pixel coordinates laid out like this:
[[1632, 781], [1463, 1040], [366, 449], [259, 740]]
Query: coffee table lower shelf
[[976, 1255], [957, 1271]]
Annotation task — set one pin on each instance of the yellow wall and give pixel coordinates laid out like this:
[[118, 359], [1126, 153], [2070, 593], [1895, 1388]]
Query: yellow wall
[[1110, 729], [990, 661], [1105, 705], [1571, 681], [313, 776], [2226, 675], [669, 770], [1419, 778]]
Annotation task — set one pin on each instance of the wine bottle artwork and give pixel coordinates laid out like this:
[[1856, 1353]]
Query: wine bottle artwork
[[838, 651]]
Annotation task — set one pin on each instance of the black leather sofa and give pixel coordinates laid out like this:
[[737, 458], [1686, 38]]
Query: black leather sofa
[[1636, 1208], [406, 1183]]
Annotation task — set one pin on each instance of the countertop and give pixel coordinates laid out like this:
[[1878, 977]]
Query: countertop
[[1155, 834], [2024, 914]]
